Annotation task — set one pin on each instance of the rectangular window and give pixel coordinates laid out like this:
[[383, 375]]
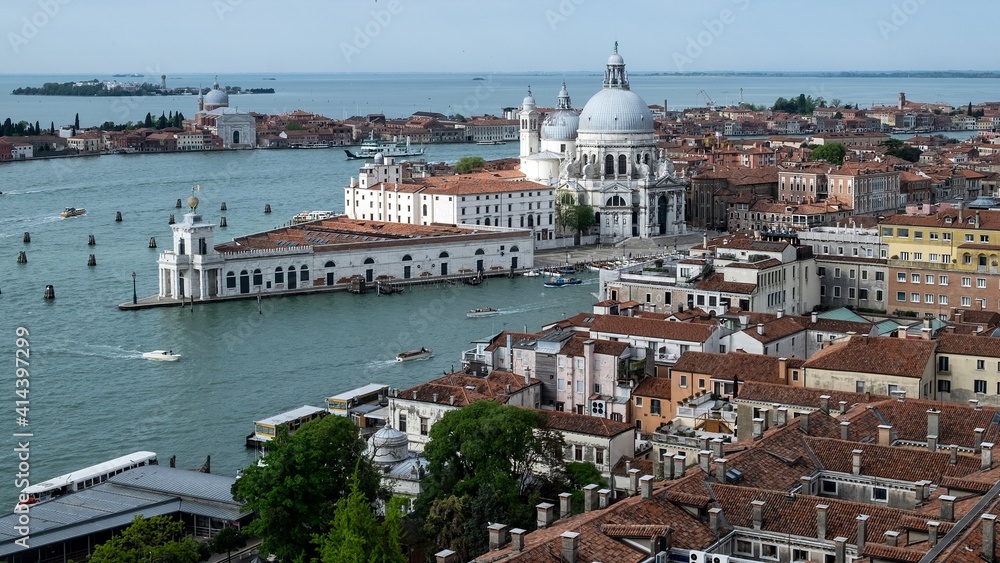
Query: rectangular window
[[638, 401], [859, 386], [942, 280], [979, 386], [981, 283], [402, 422], [946, 259], [918, 255], [597, 388], [851, 273], [969, 238], [561, 385], [929, 298], [966, 281], [862, 294], [901, 277], [966, 301], [929, 279], [598, 456], [879, 276], [915, 297], [934, 235], [942, 299], [836, 272], [836, 291], [933, 257], [980, 365], [577, 450], [901, 232], [900, 296], [864, 274], [943, 363], [984, 238], [423, 426], [915, 278], [904, 255], [828, 487], [579, 386], [918, 234], [944, 386], [654, 406], [850, 293], [945, 236], [886, 232], [878, 295], [684, 381], [880, 494]]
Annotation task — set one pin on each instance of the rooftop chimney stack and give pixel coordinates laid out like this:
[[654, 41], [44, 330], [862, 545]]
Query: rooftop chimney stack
[[987, 453], [704, 461], [604, 498], [845, 430], [720, 469], [813, 316], [932, 532], [884, 435], [646, 486], [680, 464], [758, 427], [713, 520], [843, 407], [840, 549], [856, 461], [569, 546], [758, 514], [760, 329], [717, 445], [891, 538], [545, 514], [933, 422], [498, 536], [589, 497], [517, 539], [781, 313], [804, 422], [862, 520], [901, 332], [781, 416], [821, 512], [446, 556], [633, 482], [932, 443], [989, 537], [954, 454], [947, 508], [824, 403], [978, 443], [566, 504]]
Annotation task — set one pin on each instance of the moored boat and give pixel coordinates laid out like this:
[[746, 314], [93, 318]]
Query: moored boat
[[410, 355], [531, 274], [372, 146], [307, 216], [162, 356], [265, 430], [561, 282], [72, 212], [482, 312]]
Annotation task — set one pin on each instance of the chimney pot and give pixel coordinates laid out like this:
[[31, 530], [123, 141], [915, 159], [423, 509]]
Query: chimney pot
[[821, 513], [445, 556], [589, 497], [566, 504], [434, 397], [758, 514], [717, 445], [604, 498], [989, 536], [932, 532], [845, 430], [646, 486], [954, 454], [978, 438], [544, 512], [804, 422], [947, 508], [760, 329], [884, 435], [891, 538], [517, 539], [814, 316], [840, 549], [843, 407], [713, 521], [781, 416], [987, 455], [758, 427], [704, 461], [856, 461], [498, 536], [569, 546], [932, 443], [680, 464], [933, 422], [824, 403], [781, 313], [633, 482], [862, 520], [720, 469]]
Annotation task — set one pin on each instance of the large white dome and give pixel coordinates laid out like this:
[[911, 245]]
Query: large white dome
[[616, 110], [560, 125], [217, 96]]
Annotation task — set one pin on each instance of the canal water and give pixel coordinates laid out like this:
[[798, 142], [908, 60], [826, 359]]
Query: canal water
[[93, 397]]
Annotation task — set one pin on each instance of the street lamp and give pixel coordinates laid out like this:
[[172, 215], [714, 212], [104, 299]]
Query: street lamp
[[135, 298]]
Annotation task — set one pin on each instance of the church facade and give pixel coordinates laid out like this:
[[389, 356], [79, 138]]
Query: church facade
[[605, 157], [237, 130]]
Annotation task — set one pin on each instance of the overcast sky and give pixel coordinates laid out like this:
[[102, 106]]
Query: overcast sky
[[231, 36]]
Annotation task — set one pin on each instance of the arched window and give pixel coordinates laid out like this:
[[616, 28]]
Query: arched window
[[369, 260], [279, 275], [480, 251], [236, 137], [622, 164], [514, 248], [443, 255], [291, 272], [304, 273], [615, 201], [407, 258], [258, 278], [585, 158], [329, 264], [230, 280], [531, 220], [645, 158], [425, 210], [486, 221], [609, 164]]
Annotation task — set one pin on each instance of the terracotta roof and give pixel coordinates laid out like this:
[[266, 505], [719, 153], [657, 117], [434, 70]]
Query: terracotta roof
[[717, 282], [988, 220], [747, 367], [656, 387], [893, 553], [890, 462], [762, 392], [885, 356], [466, 389], [968, 345], [575, 347], [585, 424], [956, 422], [664, 330], [500, 341], [775, 330]]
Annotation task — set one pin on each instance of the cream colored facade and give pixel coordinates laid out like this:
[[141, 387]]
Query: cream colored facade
[[876, 384], [966, 377]]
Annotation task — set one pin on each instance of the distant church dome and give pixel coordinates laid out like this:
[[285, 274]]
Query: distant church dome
[[388, 446], [379, 158], [216, 97], [529, 100], [616, 109], [561, 125]]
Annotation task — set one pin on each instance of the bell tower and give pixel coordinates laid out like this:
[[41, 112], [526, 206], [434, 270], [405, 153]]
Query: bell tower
[[530, 139]]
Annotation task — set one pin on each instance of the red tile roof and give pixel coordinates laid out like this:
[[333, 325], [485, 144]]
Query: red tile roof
[[585, 424], [885, 356], [663, 330]]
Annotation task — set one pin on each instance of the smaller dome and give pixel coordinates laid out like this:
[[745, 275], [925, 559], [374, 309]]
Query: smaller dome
[[193, 202], [560, 125], [379, 159], [217, 96], [529, 100], [388, 446], [616, 59]]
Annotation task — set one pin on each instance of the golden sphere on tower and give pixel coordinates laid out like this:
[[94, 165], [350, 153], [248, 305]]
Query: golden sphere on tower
[[193, 202]]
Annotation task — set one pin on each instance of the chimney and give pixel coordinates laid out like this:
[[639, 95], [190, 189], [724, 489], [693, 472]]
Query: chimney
[[989, 536], [901, 332], [667, 465], [544, 514], [781, 313], [804, 422], [498, 536], [569, 546], [954, 454], [856, 461], [884, 435], [891, 538], [840, 549], [510, 352], [646, 486], [704, 461], [765, 417], [589, 497], [680, 464], [932, 443], [720, 469], [758, 427], [713, 521], [978, 440], [821, 510], [703, 442], [446, 556], [758, 514], [434, 397], [862, 520], [947, 508], [451, 400], [717, 445], [845, 430], [566, 504], [633, 482], [824, 403], [517, 539], [604, 498], [782, 369], [920, 488], [760, 329], [933, 421], [813, 316], [781, 416], [414, 395], [987, 453], [925, 334], [932, 532], [957, 315]]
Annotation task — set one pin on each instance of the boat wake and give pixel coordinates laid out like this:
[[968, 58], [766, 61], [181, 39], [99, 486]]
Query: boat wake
[[100, 351]]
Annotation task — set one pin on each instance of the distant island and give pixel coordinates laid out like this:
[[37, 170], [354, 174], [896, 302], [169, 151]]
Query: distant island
[[840, 74], [97, 87]]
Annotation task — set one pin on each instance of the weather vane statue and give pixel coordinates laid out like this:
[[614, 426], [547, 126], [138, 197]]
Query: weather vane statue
[[616, 46], [193, 201]]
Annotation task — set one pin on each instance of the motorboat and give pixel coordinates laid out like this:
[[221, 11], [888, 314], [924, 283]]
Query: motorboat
[[531, 274], [72, 212], [482, 312], [162, 355], [372, 146], [408, 356], [561, 282], [307, 216]]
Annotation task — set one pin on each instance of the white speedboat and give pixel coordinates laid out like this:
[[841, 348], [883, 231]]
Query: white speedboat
[[483, 312], [531, 273], [162, 355], [421, 354]]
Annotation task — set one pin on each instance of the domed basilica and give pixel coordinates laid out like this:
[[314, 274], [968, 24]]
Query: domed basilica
[[605, 156], [236, 129]]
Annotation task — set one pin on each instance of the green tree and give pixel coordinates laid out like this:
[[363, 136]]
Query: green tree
[[570, 215], [830, 152], [357, 536], [899, 149], [52, 128], [969, 110], [480, 460], [228, 539], [149, 120], [161, 122], [468, 164], [456, 117], [294, 126], [580, 474], [76, 121], [158, 538], [295, 489]]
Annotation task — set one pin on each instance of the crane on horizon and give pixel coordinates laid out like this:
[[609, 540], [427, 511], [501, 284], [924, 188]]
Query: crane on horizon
[[708, 99]]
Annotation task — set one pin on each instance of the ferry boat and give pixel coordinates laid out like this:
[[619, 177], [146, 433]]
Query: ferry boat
[[491, 142], [343, 403], [482, 312], [72, 212], [161, 356], [265, 430], [372, 146], [408, 356], [562, 282], [531, 274], [84, 478], [307, 216]]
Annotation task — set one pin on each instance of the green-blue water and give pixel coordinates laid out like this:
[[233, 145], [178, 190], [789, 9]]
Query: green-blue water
[[93, 398]]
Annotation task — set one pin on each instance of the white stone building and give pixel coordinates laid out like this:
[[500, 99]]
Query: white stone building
[[237, 130], [607, 158]]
